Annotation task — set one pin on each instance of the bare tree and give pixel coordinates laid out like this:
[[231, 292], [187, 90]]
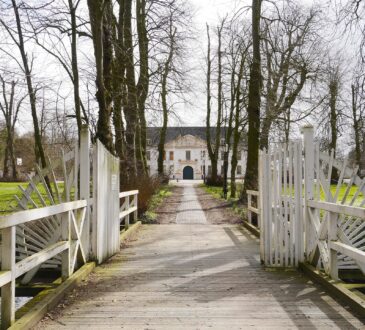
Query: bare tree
[[17, 36], [10, 107], [213, 142], [290, 53], [358, 115]]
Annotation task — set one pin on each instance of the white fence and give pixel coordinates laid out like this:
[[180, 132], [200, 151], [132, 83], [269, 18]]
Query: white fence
[[62, 235], [305, 216], [251, 209], [68, 246], [129, 206]]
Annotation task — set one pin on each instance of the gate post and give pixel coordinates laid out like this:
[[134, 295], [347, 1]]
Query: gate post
[[261, 221], [85, 185], [308, 135]]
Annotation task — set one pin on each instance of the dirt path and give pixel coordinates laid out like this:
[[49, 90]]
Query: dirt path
[[217, 211]]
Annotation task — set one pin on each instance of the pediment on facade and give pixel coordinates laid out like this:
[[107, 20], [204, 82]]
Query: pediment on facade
[[186, 141]]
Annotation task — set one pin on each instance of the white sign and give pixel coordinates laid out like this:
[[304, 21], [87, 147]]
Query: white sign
[[114, 182], [19, 161]]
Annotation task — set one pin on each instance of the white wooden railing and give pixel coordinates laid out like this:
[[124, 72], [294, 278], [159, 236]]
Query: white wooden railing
[[68, 246], [330, 236], [129, 206], [251, 209]]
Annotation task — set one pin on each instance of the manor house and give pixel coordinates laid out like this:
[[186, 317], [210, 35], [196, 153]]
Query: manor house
[[186, 154]]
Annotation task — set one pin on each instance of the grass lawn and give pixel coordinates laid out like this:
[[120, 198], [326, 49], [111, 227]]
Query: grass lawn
[[9, 189], [218, 193], [156, 200]]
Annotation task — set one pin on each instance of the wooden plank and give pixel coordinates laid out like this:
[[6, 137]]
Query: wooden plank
[[253, 209], [124, 194], [338, 208], [5, 277], [38, 258], [350, 251], [23, 217], [123, 214]]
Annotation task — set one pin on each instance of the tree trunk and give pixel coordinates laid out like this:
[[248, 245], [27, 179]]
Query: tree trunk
[[39, 151], [74, 65], [119, 92], [356, 127], [265, 132], [253, 110], [212, 154], [143, 81], [100, 21], [130, 108], [333, 91]]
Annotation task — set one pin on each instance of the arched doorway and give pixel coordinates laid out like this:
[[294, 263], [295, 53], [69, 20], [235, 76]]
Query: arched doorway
[[188, 173]]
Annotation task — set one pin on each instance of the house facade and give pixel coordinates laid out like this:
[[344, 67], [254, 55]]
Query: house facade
[[186, 154]]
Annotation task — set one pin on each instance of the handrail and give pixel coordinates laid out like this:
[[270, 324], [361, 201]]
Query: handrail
[[129, 206], [251, 209], [128, 193], [21, 217], [338, 208]]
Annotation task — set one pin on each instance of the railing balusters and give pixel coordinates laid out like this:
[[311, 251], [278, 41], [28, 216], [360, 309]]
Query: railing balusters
[[66, 236]]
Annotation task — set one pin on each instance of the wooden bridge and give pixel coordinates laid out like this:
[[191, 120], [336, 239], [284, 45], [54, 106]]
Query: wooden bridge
[[196, 276], [191, 273]]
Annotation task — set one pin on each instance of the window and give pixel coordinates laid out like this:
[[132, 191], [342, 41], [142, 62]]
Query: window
[[239, 169], [171, 155], [239, 155], [187, 155], [164, 155], [171, 169], [203, 154], [148, 155], [209, 170]]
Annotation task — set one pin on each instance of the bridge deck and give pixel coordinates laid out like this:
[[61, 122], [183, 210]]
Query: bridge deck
[[197, 276]]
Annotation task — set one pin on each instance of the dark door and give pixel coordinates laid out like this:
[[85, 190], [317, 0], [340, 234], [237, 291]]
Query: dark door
[[188, 173]]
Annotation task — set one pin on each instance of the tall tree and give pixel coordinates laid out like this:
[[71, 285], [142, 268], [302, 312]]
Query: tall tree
[[100, 12], [17, 36], [290, 52], [213, 142], [166, 68], [253, 109], [10, 107]]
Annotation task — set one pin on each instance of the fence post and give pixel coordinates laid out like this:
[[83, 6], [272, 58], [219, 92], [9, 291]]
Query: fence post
[[135, 217], [128, 205], [85, 185], [332, 237], [8, 290], [308, 135], [66, 236], [249, 214], [260, 217]]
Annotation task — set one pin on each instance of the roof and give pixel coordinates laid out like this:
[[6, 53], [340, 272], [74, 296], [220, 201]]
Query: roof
[[153, 133], [172, 133]]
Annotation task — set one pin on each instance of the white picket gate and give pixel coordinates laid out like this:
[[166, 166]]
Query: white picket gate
[[304, 217], [280, 197], [105, 225]]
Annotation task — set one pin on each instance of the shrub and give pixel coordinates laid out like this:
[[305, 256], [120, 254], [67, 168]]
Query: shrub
[[147, 187]]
